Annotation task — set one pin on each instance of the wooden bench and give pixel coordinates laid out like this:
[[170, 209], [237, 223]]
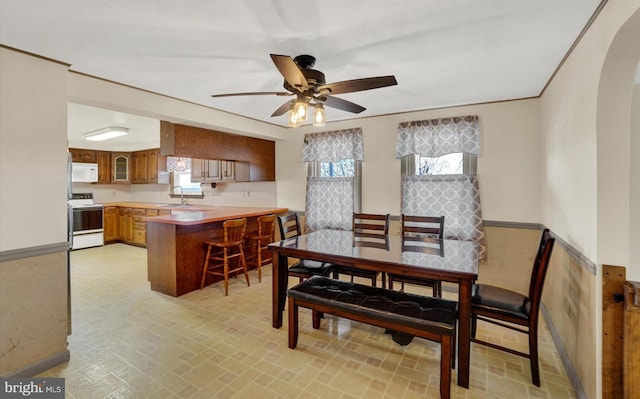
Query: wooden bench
[[425, 317]]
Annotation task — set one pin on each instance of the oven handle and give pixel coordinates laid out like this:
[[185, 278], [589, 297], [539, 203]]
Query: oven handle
[[81, 232], [70, 226]]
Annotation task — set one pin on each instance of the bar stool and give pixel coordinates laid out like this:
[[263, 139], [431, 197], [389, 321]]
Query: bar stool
[[223, 251], [264, 237]]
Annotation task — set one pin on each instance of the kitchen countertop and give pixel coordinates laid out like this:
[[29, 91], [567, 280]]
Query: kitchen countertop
[[197, 214], [213, 214]]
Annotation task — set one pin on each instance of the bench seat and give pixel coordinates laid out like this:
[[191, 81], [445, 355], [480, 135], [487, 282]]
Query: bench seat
[[425, 317]]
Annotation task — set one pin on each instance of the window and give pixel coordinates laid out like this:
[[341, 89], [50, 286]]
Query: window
[[183, 179], [457, 163], [343, 168]]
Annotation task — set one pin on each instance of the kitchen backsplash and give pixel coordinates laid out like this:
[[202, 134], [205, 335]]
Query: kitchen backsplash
[[229, 194]]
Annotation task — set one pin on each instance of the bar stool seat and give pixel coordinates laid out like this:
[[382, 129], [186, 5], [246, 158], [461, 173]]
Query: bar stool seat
[[260, 239], [223, 251]]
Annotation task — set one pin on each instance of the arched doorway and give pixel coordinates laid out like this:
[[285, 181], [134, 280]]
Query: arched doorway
[[618, 173]]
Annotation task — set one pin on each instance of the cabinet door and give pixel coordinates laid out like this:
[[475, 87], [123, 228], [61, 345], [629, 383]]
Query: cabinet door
[[104, 166], [111, 232], [197, 170], [126, 224], [139, 167], [120, 164], [228, 170], [153, 166], [82, 155], [214, 170]]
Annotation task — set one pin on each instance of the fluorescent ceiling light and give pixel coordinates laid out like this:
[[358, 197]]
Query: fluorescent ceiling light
[[106, 133]]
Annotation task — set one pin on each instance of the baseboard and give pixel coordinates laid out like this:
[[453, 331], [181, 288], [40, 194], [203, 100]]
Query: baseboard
[[568, 366], [40, 366]]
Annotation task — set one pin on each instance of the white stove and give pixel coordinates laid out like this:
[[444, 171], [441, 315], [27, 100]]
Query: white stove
[[86, 221]]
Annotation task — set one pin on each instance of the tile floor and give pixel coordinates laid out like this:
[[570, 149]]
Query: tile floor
[[131, 342]]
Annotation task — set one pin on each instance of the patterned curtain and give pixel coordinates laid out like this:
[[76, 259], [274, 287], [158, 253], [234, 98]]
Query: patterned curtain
[[457, 197], [437, 137], [330, 203], [333, 146]]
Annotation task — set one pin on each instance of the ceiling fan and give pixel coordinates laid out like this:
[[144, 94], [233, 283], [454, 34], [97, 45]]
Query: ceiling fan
[[310, 89]]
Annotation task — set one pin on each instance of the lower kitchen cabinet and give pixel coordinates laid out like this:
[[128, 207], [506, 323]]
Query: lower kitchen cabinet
[[128, 225], [111, 232]]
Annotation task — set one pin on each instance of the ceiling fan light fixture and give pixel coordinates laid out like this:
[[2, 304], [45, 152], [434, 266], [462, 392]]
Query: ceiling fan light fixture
[[106, 133], [300, 108], [318, 115], [293, 118]]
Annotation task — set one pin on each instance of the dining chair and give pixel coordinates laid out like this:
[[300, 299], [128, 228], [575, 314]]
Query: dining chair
[[420, 227], [499, 306], [289, 227], [260, 240], [369, 230], [223, 251]]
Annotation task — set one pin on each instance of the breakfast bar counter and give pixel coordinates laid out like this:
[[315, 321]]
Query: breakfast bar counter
[[175, 251]]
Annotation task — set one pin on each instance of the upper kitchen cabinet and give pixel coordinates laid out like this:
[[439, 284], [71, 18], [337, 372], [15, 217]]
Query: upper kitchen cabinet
[[103, 158], [83, 155], [254, 158], [139, 166], [121, 163]]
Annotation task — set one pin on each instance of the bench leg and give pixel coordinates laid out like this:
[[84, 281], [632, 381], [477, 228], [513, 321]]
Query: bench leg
[[293, 323], [445, 367], [316, 316]]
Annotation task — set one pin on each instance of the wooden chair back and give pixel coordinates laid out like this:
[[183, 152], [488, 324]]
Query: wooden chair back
[[539, 272], [234, 230], [423, 226], [266, 226], [369, 223], [289, 226]]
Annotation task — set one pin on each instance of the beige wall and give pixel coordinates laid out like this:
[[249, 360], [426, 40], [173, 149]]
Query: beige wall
[[633, 272], [33, 210], [33, 159]]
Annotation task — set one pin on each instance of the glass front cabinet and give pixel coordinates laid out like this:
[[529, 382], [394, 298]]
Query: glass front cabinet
[[121, 164]]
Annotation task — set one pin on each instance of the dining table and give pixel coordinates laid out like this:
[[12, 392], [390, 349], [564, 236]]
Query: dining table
[[455, 261]]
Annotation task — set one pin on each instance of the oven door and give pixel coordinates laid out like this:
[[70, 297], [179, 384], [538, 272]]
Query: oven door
[[88, 219]]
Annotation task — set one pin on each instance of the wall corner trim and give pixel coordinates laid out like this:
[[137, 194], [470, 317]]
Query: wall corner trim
[[41, 365]]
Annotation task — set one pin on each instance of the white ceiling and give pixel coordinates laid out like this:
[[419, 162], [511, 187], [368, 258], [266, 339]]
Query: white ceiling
[[442, 52]]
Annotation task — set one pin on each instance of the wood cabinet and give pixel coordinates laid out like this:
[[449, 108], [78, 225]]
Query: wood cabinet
[[139, 234], [205, 170], [139, 167], [83, 155], [121, 164], [154, 165], [111, 231], [214, 170], [256, 156], [103, 158], [126, 224]]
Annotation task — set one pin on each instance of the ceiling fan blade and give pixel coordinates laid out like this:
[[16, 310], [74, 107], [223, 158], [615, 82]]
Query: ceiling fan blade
[[283, 109], [344, 105], [350, 86], [257, 93], [291, 72]]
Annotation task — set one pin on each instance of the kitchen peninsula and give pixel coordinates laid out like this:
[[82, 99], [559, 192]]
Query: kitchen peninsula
[[175, 253]]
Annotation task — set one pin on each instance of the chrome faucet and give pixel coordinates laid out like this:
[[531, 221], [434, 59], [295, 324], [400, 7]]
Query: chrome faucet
[[182, 200]]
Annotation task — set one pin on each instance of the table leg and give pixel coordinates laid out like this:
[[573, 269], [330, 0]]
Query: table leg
[[278, 287], [464, 332]]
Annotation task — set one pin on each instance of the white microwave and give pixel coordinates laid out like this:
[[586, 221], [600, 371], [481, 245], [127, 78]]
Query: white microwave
[[84, 172]]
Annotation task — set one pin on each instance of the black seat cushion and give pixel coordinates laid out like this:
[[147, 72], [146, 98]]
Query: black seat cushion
[[500, 300], [432, 314], [311, 268]]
